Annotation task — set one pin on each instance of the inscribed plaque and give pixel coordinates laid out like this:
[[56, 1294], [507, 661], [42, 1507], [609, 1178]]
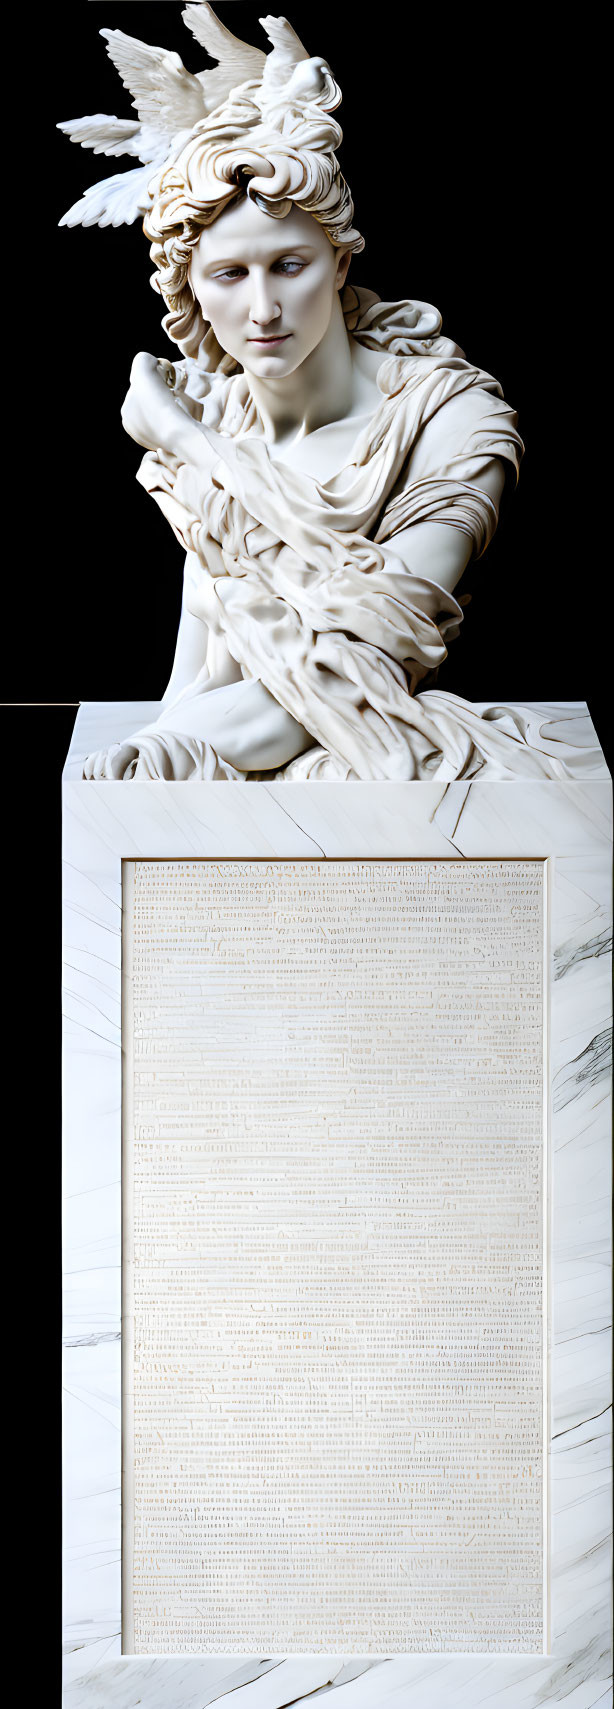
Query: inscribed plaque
[[334, 1256]]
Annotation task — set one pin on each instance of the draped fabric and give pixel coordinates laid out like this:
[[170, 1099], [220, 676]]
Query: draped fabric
[[291, 572]]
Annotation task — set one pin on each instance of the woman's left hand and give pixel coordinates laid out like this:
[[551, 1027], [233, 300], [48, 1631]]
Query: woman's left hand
[[155, 417]]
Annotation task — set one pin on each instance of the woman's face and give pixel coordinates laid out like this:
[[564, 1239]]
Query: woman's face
[[268, 286]]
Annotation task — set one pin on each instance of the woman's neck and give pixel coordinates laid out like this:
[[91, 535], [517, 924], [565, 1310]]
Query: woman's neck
[[321, 390]]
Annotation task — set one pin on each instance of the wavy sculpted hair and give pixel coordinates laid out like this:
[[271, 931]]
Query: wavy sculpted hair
[[232, 155]]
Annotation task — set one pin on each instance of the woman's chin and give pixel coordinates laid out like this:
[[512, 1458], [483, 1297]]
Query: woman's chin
[[270, 364]]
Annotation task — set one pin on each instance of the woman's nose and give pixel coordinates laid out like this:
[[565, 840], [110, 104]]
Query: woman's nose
[[264, 304]]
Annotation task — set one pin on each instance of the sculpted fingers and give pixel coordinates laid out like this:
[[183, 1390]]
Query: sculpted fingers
[[115, 762], [144, 364]]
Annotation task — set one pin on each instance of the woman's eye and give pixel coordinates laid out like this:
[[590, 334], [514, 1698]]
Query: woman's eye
[[290, 266], [231, 273]]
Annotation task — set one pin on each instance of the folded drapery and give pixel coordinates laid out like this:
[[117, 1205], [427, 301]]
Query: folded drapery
[[291, 572]]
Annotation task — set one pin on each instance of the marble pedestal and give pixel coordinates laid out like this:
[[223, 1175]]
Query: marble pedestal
[[567, 826]]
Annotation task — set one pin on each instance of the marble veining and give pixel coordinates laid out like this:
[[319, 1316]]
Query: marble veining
[[569, 954], [568, 825], [592, 1065]]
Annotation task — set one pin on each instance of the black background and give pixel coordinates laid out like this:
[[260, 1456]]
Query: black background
[[461, 149]]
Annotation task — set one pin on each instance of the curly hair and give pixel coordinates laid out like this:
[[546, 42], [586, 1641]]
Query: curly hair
[[231, 156]]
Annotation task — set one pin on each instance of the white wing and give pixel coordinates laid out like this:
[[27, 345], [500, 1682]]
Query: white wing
[[288, 51], [107, 135], [113, 201], [165, 95], [238, 62]]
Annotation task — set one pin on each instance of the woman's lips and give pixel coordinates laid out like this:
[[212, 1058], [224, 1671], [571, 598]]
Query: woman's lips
[[278, 338]]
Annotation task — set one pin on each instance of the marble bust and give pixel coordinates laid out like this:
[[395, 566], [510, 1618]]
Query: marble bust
[[328, 462]]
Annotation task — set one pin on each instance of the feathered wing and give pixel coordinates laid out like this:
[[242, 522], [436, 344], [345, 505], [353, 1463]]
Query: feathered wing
[[288, 51], [238, 62], [117, 200], [105, 134], [165, 95], [170, 102]]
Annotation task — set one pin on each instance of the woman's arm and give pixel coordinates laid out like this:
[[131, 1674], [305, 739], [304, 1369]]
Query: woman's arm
[[437, 550], [199, 654], [155, 417], [190, 651], [242, 722], [466, 448]]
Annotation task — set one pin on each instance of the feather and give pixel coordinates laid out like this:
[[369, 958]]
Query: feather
[[288, 51], [170, 102], [165, 95], [107, 135], [238, 62], [113, 201]]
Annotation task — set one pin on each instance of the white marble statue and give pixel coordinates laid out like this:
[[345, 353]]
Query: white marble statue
[[329, 462]]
